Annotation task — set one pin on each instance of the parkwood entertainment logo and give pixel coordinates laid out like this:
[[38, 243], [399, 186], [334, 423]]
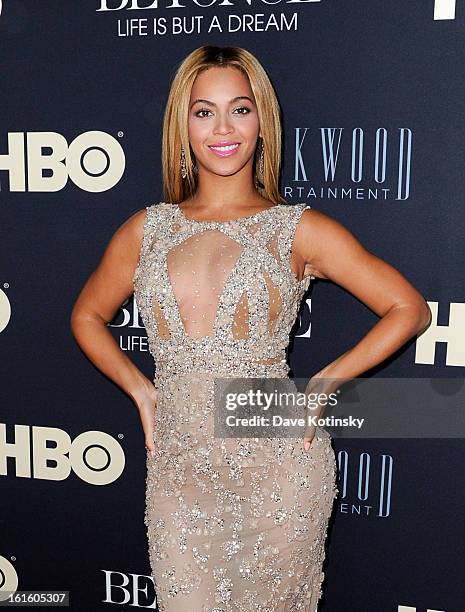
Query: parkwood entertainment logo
[[351, 163]]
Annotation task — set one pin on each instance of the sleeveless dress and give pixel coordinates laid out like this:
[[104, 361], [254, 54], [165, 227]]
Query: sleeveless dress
[[233, 524]]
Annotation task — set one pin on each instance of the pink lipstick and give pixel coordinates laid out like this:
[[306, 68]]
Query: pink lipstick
[[225, 148]]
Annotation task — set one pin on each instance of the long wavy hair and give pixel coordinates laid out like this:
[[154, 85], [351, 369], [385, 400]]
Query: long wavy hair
[[175, 122]]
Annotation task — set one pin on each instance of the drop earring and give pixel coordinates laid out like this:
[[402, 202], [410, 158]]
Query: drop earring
[[183, 163], [261, 159], [259, 164]]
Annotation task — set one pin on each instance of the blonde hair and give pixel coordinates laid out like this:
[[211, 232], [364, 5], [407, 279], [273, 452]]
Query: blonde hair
[[175, 122]]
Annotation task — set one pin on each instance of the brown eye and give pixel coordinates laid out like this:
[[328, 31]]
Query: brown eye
[[202, 110]]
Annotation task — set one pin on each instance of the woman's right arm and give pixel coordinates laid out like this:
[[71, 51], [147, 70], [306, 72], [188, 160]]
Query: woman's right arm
[[106, 289]]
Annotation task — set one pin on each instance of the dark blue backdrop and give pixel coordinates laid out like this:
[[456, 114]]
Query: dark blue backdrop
[[83, 88]]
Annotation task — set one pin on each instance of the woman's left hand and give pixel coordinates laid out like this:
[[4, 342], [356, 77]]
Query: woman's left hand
[[318, 391]]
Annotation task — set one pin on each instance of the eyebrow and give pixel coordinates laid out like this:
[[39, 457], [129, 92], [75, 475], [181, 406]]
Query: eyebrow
[[213, 104]]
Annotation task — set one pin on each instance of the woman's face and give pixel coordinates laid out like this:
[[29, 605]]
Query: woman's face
[[223, 121]]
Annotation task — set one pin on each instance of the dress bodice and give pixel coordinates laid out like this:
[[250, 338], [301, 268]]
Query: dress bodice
[[219, 297]]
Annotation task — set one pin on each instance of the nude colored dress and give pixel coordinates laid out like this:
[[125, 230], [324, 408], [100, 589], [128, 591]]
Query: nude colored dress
[[233, 524]]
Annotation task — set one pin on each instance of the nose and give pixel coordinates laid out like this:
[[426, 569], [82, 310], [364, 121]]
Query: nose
[[222, 124]]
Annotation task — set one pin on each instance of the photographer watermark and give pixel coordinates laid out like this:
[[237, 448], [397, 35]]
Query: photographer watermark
[[355, 408]]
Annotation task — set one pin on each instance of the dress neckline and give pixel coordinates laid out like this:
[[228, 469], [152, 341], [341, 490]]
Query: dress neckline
[[229, 222]]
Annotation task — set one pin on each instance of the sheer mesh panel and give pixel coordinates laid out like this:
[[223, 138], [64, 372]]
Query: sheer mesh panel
[[198, 269], [274, 300], [240, 327], [162, 325], [273, 248]]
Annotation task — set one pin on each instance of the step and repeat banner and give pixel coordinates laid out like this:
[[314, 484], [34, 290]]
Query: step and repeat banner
[[372, 94]]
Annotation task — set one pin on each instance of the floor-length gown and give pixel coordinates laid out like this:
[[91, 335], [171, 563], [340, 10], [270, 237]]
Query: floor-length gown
[[232, 524]]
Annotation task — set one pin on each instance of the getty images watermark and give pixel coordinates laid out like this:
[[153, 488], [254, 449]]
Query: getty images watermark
[[355, 408]]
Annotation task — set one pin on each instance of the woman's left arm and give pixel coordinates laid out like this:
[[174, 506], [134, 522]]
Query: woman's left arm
[[326, 249], [331, 251]]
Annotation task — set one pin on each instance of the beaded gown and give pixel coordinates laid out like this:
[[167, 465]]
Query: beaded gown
[[232, 524]]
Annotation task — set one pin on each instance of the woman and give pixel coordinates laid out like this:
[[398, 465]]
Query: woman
[[218, 271]]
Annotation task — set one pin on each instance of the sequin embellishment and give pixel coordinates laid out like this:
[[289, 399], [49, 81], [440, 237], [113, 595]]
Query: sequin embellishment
[[232, 524]]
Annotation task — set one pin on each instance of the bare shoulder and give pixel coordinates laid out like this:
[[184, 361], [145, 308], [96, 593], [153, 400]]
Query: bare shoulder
[[125, 243], [133, 227], [129, 235], [333, 252], [112, 281], [314, 221], [320, 238]]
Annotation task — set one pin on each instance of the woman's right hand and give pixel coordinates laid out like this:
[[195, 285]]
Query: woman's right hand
[[146, 403]]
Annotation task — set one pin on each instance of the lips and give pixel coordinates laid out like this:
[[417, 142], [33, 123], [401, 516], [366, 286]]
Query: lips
[[224, 149]]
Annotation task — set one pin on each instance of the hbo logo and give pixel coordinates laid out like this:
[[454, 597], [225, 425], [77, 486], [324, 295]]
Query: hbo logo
[[94, 161], [94, 456]]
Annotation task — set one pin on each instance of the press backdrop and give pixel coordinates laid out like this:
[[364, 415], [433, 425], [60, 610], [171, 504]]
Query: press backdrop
[[372, 94]]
